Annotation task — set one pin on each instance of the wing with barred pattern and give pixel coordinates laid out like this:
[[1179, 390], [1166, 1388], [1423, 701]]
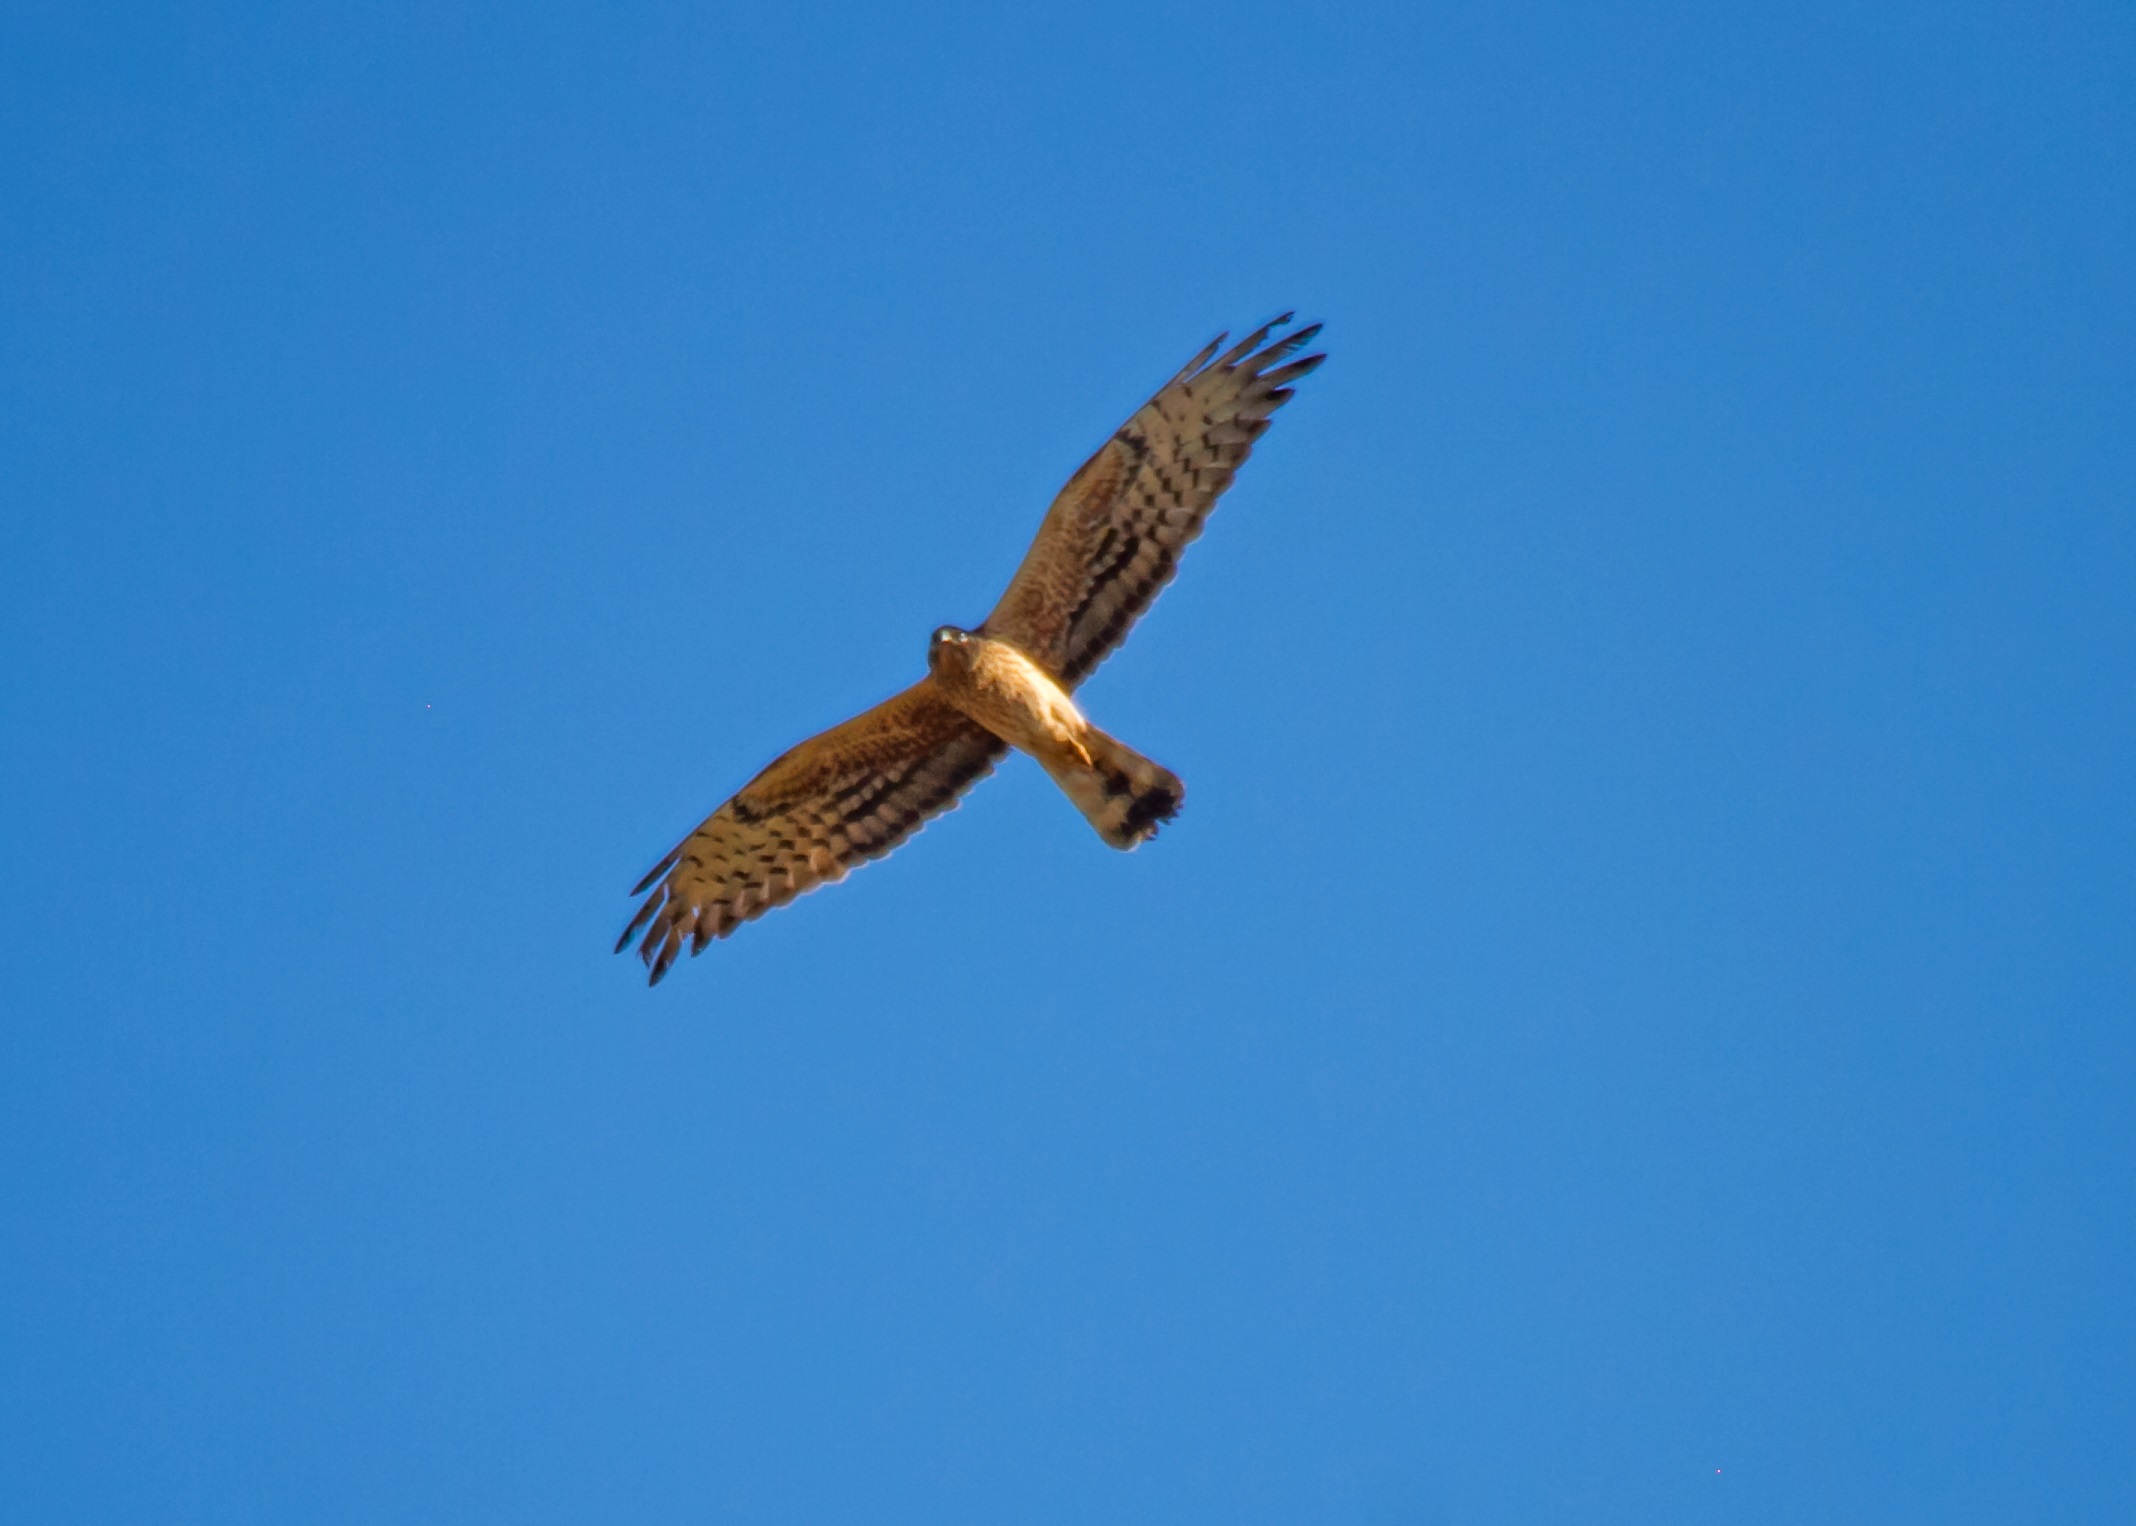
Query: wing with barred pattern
[[839, 799], [1113, 537]]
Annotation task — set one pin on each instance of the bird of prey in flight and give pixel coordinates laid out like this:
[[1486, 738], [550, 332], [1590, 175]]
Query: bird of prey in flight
[[1111, 540]]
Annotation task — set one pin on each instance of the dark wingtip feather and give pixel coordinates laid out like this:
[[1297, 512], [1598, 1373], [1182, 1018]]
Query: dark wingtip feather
[[1283, 375], [1290, 345], [666, 957], [1201, 360], [1251, 342], [656, 871], [645, 915]]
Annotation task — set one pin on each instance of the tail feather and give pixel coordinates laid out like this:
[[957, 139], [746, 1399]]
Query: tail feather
[[1120, 792]]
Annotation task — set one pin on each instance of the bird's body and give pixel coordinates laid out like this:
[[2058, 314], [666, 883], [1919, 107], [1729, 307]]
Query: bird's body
[[1122, 794], [1108, 544], [1006, 692]]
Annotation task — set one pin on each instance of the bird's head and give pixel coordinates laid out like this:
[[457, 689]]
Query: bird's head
[[948, 644]]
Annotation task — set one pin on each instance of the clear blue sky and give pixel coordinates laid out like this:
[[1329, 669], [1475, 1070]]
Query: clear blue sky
[[1634, 1024]]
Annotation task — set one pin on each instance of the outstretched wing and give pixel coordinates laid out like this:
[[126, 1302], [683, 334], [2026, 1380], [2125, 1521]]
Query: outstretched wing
[[1112, 538], [849, 795]]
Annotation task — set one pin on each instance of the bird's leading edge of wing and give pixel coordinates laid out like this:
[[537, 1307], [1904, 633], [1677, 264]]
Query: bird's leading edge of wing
[[1112, 539], [851, 794]]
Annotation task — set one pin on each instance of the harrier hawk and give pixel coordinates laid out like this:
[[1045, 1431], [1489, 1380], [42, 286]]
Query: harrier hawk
[[1108, 544]]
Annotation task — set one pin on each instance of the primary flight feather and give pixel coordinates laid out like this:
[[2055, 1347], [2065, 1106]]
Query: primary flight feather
[[1111, 540]]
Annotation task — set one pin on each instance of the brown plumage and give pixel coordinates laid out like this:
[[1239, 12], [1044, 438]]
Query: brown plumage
[[1112, 538], [1119, 791], [1110, 542], [848, 795]]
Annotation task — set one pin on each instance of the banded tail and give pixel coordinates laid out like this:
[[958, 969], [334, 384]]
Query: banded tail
[[1120, 792]]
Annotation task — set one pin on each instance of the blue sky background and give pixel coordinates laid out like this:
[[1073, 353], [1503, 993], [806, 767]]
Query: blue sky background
[[1634, 1024]]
